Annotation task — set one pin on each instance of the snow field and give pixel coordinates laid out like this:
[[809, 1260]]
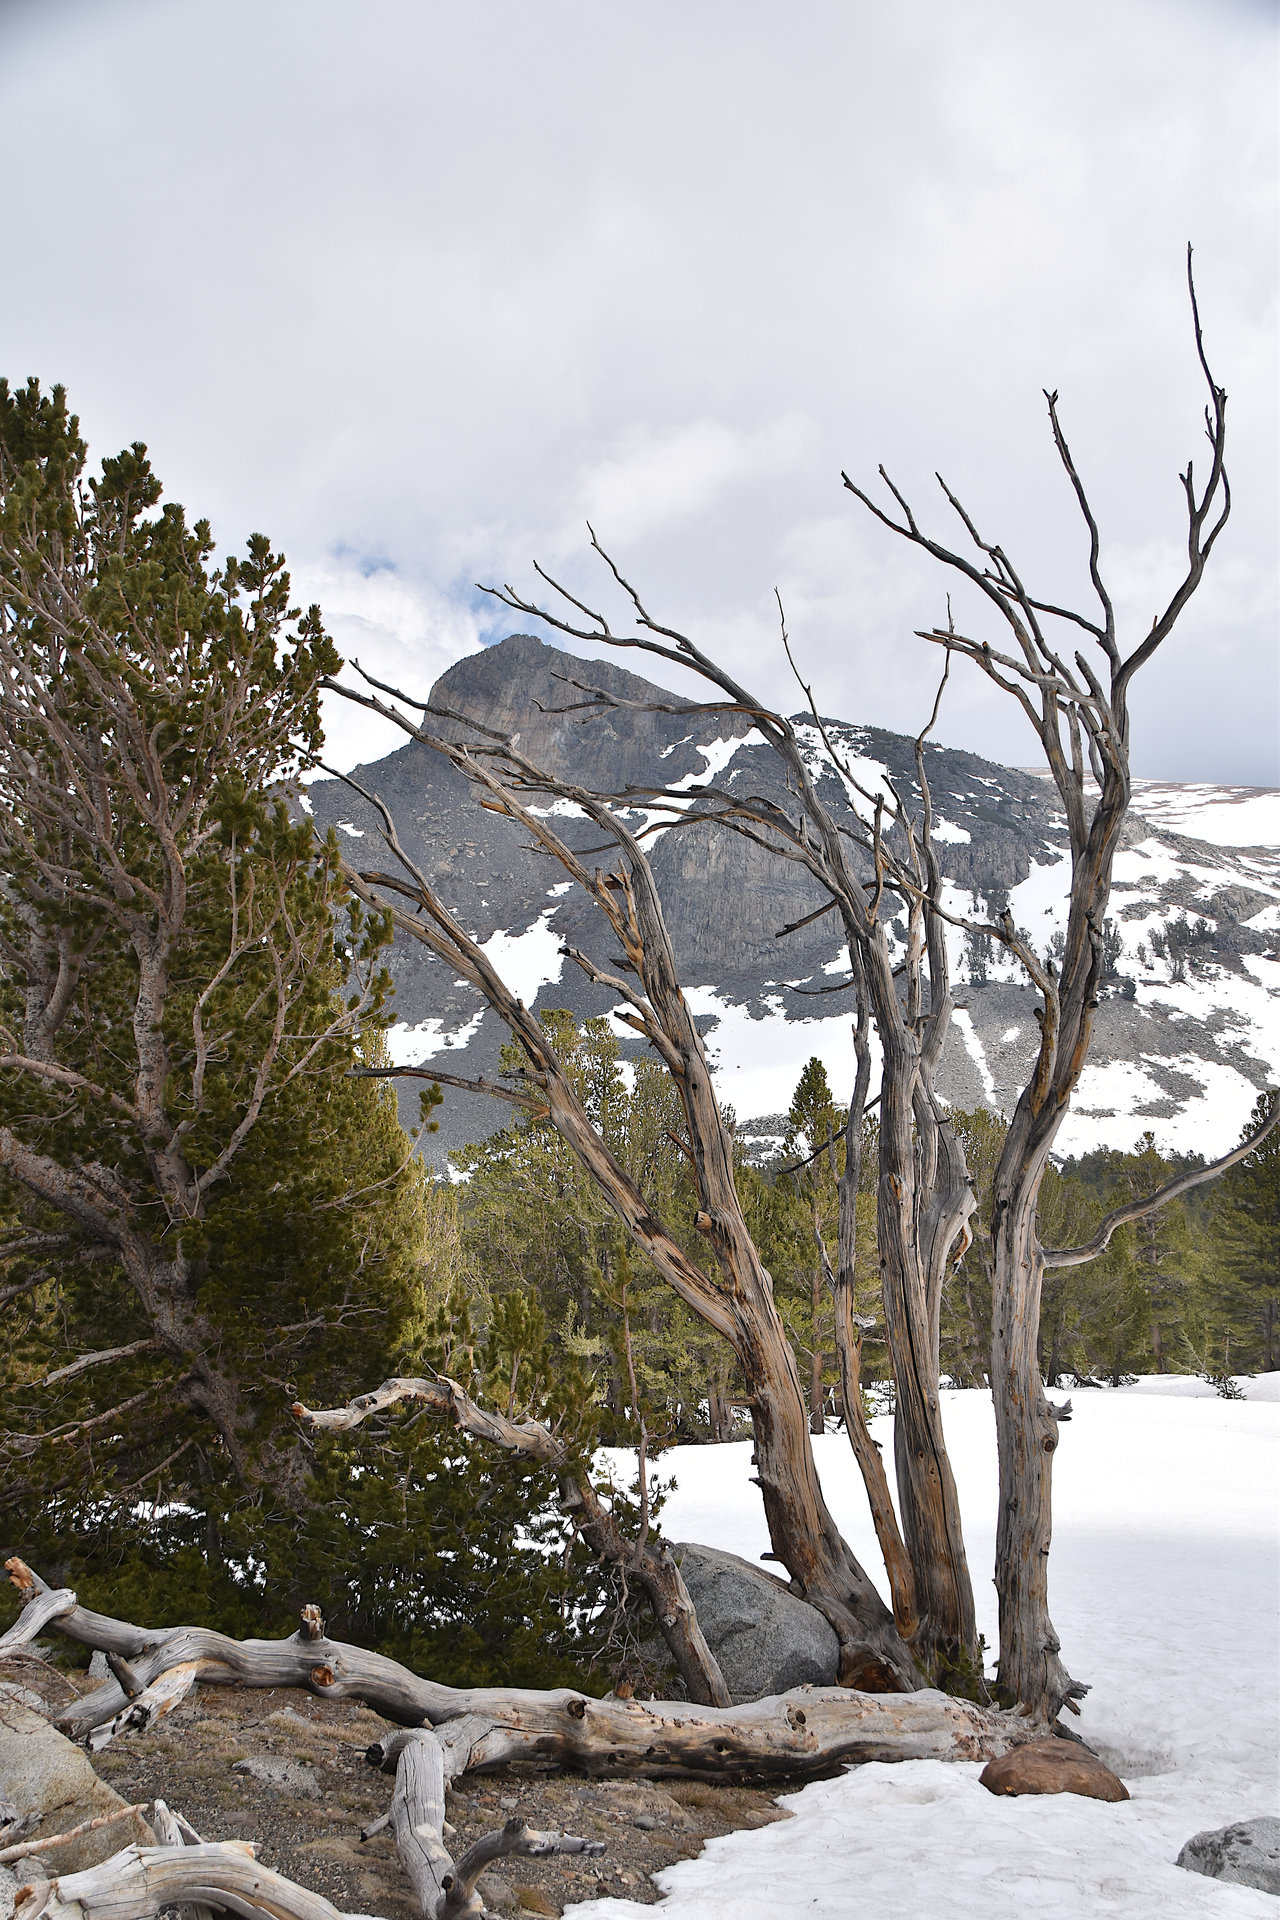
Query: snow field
[[1165, 1579]]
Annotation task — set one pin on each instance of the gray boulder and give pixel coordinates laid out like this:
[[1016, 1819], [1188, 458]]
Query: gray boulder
[[765, 1639], [43, 1775], [1247, 1854]]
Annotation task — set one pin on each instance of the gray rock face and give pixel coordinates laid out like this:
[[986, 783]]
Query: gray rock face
[[725, 899], [1247, 1854], [765, 1639], [41, 1773]]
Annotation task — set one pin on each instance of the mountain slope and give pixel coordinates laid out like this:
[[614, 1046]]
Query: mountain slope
[[1187, 1034]]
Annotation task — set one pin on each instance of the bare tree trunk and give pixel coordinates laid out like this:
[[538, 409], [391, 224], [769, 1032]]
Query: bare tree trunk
[[740, 1305], [848, 1333], [927, 1493], [719, 1417], [817, 1410]]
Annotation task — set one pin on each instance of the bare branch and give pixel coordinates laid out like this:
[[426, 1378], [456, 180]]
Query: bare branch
[[1171, 1190], [107, 1355]]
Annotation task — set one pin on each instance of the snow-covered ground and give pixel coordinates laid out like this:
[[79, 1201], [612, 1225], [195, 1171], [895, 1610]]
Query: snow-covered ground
[[1165, 1583]]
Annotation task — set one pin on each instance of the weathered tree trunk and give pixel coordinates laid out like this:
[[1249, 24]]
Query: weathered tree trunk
[[817, 1407], [927, 1493], [741, 1305], [848, 1333], [719, 1415], [1077, 703]]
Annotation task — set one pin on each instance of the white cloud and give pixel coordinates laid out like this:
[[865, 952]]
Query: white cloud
[[652, 477], [430, 283]]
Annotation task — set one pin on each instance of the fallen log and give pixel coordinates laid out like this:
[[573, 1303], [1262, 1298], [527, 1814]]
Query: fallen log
[[790, 1736], [137, 1882], [423, 1765]]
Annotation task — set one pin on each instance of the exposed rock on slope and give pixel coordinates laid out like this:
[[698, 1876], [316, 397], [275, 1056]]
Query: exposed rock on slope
[[1188, 1033]]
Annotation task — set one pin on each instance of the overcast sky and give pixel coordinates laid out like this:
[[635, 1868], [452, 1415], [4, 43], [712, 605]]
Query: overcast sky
[[417, 288]]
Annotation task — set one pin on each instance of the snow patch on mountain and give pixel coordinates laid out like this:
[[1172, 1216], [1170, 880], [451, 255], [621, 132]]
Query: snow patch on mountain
[[1226, 816], [975, 1049], [530, 960], [527, 961], [412, 1046], [756, 1057]]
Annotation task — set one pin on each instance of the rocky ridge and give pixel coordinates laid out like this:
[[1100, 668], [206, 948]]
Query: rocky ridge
[[1188, 1031]]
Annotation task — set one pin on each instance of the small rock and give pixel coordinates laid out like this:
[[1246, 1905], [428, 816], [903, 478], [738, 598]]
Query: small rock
[[98, 1668], [281, 1776], [497, 1893], [1247, 1854], [1053, 1766], [508, 1803], [645, 1821]]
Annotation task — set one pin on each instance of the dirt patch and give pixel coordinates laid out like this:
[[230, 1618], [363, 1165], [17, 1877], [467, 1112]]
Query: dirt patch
[[190, 1758]]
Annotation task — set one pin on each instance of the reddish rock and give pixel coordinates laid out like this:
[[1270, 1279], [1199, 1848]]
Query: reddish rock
[[1053, 1766]]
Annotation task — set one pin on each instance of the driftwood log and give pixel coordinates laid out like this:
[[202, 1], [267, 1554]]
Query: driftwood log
[[791, 1736]]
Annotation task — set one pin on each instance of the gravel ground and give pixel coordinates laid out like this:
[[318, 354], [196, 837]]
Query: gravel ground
[[307, 1823]]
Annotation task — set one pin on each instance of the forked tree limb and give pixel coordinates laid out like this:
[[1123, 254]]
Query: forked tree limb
[[459, 1896], [443, 1890]]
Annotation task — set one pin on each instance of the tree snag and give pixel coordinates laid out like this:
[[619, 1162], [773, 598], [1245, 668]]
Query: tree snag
[[1080, 713], [739, 1304]]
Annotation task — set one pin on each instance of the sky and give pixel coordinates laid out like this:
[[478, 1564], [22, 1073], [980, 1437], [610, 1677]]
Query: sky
[[419, 289]]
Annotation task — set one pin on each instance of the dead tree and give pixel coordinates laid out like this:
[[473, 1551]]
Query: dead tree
[[738, 1304], [1079, 709], [924, 1198]]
